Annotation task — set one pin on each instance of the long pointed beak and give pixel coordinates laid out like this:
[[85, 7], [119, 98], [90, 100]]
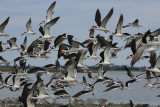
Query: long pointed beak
[[41, 23]]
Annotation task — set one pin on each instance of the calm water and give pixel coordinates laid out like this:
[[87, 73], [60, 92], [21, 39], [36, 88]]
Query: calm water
[[136, 92]]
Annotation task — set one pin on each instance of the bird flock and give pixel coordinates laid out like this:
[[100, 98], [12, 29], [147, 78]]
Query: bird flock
[[73, 54]]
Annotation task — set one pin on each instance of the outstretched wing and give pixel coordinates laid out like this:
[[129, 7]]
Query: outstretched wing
[[98, 17]]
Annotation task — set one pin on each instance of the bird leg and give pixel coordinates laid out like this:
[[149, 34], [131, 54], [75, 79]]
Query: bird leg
[[73, 84], [157, 45], [108, 65], [105, 31], [50, 39], [145, 85], [75, 81]]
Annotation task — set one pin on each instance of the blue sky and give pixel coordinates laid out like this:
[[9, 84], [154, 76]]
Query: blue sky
[[76, 18]]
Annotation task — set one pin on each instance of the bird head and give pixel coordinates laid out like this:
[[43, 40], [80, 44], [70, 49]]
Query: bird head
[[31, 98], [62, 52], [141, 44], [128, 24], [42, 22], [5, 49], [23, 33], [92, 28], [89, 39], [9, 86], [146, 69]]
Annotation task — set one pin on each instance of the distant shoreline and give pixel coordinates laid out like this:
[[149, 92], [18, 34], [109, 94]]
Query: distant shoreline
[[82, 105], [92, 68]]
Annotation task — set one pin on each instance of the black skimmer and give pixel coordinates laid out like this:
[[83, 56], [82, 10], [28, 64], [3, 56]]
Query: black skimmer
[[28, 93], [148, 75], [155, 64], [155, 33], [42, 92], [59, 39], [1, 46], [149, 40], [75, 45], [101, 75], [122, 86], [49, 13], [4, 82], [59, 71], [45, 46], [37, 70], [133, 24], [63, 47], [139, 52], [81, 59], [93, 50], [130, 74], [4, 61], [88, 85], [83, 92], [105, 55], [13, 44], [61, 94], [103, 41], [2, 27], [71, 76], [24, 45], [118, 31], [30, 50], [46, 30], [114, 50], [101, 25], [29, 28]]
